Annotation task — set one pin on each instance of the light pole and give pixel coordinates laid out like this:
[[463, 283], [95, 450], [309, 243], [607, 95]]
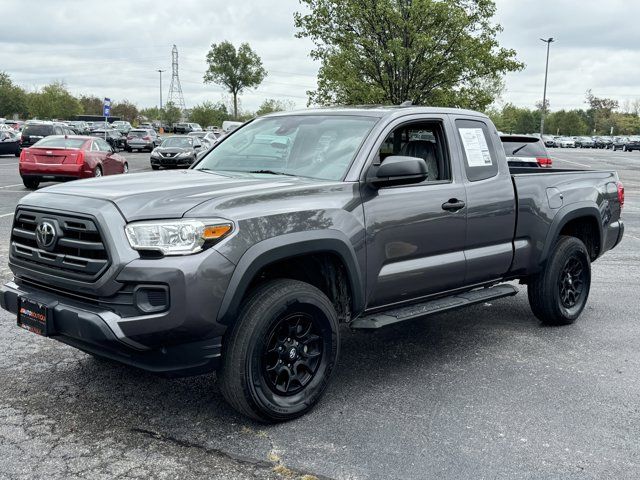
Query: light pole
[[160, 72], [548, 41]]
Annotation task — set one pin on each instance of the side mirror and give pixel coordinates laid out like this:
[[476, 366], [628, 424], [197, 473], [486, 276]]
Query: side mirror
[[400, 170]]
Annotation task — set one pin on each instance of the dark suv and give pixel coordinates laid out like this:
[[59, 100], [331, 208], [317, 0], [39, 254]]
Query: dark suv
[[34, 132], [525, 151]]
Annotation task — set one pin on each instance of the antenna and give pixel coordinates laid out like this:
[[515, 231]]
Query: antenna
[[175, 90]]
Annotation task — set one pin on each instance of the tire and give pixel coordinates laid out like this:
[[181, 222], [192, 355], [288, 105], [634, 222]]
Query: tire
[[125, 168], [255, 376], [97, 172], [624, 148], [127, 149], [155, 167], [549, 291], [31, 183]]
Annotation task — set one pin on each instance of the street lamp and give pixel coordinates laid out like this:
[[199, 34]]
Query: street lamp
[[160, 72], [548, 41]]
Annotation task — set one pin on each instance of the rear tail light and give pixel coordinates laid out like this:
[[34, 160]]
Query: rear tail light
[[146, 138], [544, 162], [621, 194], [129, 137], [80, 158], [25, 156]]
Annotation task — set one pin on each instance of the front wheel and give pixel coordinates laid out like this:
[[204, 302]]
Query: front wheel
[[279, 356], [558, 294]]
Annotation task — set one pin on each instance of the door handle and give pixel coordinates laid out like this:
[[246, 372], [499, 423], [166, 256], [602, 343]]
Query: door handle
[[453, 205]]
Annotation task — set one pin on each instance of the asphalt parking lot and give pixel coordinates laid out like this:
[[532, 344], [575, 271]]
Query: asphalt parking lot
[[485, 392]]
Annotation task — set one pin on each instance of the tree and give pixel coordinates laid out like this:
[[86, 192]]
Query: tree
[[151, 113], [53, 101], [209, 113], [387, 51], [234, 69], [13, 99], [91, 105], [171, 113], [600, 110], [271, 105], [126, 110]]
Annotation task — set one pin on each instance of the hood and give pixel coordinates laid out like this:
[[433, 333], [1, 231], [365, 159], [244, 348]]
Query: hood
[[171, 193]]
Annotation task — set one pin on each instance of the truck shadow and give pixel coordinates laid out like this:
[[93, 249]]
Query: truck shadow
[[93, 395]]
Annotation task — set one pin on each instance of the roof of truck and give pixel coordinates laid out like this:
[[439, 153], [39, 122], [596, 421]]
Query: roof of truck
[[380, 111]]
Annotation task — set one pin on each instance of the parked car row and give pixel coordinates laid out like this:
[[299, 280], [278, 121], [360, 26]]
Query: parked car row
[[625, 143]]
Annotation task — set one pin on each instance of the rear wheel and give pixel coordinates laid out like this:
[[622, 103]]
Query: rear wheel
[[125, 168], [280, 354], [31, 183], [97, 172], [558, 294]]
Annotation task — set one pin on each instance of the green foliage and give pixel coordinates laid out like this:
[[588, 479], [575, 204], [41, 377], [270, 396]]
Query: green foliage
[[209, 113], [171, 113], [13, 99], [271, 105], [91, 105], [151, 113], [53, 102], [431, 52], [125, 110], [512, 119], [234, 69]]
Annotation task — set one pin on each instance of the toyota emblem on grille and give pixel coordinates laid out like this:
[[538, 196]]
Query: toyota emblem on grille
[[45, 235]]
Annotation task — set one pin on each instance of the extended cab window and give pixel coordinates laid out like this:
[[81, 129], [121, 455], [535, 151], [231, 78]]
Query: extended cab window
[[424, 140], [480, 159]]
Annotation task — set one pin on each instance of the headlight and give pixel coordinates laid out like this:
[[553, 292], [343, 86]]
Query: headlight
[[177, 237], [184, 154]]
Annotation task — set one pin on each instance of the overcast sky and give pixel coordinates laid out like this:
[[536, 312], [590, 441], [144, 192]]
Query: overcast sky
[[113, 48]]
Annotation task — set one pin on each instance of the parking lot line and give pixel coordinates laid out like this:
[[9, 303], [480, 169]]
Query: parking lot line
[[6, 215], [14, 185]]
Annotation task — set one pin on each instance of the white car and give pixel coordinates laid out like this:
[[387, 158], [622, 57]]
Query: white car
[[566, 142]]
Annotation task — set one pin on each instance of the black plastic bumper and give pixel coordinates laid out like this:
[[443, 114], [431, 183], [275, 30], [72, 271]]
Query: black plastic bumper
[[95, 331]]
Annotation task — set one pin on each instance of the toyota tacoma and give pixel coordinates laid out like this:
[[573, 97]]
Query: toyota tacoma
[[248, 262]]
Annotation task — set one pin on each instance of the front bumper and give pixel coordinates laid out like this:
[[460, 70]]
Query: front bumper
[[97, 331], [172, 161], [105, 317]]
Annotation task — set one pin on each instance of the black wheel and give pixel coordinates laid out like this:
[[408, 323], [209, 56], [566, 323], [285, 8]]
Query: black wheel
[[155, 167], [127, 149], [97, 172], [279, 356], [624, 148], [31, 183], [558, 294], [125, 168]]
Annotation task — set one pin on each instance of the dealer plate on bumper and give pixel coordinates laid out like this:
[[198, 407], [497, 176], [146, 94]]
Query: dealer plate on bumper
[[35, 316]]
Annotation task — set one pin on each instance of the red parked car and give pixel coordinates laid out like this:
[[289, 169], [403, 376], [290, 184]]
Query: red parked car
[[68, 157]]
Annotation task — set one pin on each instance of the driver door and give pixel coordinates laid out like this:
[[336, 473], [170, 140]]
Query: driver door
[[415, 245]]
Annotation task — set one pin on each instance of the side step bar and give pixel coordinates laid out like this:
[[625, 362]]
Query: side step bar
[[389, 317]]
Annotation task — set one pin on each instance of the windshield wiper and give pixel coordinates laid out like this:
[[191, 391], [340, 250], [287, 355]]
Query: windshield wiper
[[518, 149], [272, 172]]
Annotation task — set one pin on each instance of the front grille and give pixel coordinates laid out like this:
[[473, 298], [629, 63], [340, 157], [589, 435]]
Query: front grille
[[78, 251]]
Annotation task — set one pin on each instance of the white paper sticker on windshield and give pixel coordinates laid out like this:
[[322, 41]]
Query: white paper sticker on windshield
[[475, 146]]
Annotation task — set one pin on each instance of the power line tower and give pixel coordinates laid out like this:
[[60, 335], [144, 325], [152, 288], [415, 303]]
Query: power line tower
[[175, 90]]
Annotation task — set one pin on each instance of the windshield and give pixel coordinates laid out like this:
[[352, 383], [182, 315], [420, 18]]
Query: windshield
[[37, 130], [180, 142], [316, 146], [60, 142], [532, 148]]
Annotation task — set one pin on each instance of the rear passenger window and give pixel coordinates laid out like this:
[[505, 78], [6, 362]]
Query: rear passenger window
[[480, 160], [424, 140]]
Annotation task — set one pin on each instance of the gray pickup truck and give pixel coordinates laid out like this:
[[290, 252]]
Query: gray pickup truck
[[248, 262]]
